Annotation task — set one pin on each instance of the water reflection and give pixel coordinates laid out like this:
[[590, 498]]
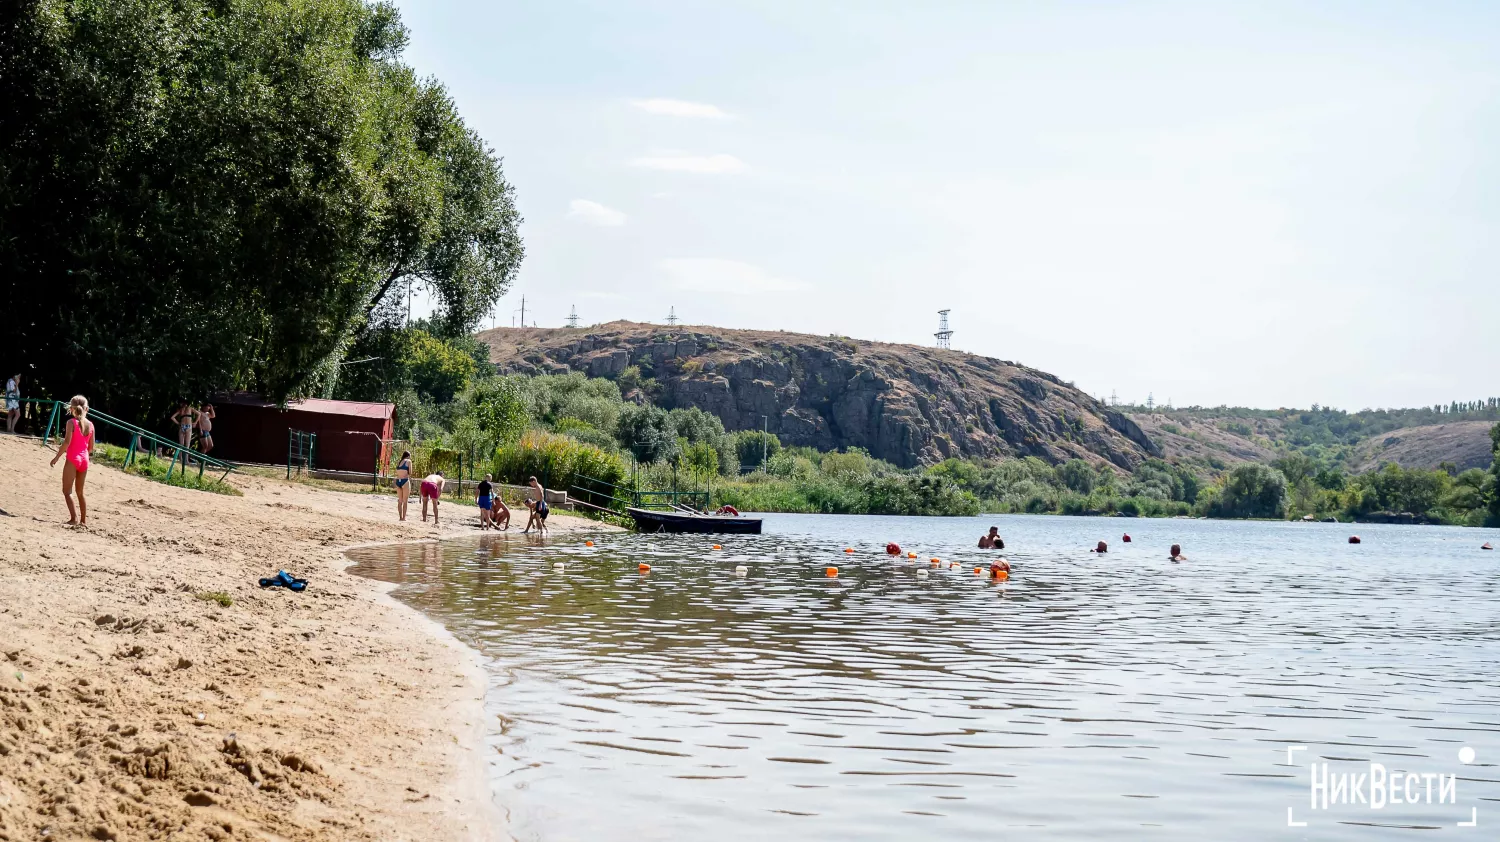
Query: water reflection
[[1126, 696]]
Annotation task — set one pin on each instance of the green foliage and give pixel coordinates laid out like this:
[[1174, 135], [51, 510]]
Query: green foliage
[[1494, 486], [1077, 476], [753, 445], [647, 432], [556, 461], [499, 410], [439, 371], [1251, 491], [198, 195]]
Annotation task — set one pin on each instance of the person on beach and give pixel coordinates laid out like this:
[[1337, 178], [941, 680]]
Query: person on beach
[[992, 541], [12, 403], [485, 502], [403, 484], [1177, 553], [539, 510], [185, 417], [78, 444], [432, 489], [499, 513], [206, 417]]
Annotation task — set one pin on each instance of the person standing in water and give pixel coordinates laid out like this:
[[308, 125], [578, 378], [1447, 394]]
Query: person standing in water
[[1177, 553], [206, 417], [78, 444], [992, 541], [539, 511], [403, 484]]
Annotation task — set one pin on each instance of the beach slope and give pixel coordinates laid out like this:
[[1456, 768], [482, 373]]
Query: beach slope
[[134, 705]]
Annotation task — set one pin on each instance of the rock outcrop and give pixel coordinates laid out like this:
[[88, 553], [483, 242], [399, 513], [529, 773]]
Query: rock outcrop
[[902, 403]]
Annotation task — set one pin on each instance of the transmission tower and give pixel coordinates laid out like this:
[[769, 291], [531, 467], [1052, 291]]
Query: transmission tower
[[1114, 398], [573, 317], [943, 333], [1150, 402], [672, 317]]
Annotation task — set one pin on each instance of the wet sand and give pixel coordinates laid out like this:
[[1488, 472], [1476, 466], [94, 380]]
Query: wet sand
[[132, 708]]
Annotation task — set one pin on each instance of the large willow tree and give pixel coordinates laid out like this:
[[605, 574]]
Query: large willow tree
[[208, 194]]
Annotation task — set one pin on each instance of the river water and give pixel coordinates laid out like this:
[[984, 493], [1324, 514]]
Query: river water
[[1124, 697]]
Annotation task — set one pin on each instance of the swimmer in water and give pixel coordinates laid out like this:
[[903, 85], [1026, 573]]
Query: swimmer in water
[[992, 541], [999, 566], [1177, 553], [1101, 549]]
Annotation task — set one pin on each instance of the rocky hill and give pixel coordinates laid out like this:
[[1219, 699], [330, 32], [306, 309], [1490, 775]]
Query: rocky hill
[[1465, 444], [906, 404]]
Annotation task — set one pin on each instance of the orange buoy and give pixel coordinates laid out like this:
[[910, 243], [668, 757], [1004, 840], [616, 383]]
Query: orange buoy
[[1125, 539], [588, 543], [644, 567], [911, 555], [893, 549], [978, 569], [831, 571], [952, 564], [1001, 575], [848, 549], [935, 561], [717, 547]]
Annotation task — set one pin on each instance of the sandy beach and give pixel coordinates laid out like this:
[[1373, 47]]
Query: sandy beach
[[133, 707]]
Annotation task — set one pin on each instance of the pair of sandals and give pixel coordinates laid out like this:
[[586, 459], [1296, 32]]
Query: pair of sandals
[[283, 579]]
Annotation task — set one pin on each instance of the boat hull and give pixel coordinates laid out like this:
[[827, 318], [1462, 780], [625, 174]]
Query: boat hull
[[647, 520]]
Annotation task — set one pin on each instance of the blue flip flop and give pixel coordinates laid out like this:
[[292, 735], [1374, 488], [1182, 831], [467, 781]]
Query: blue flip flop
[[283, 579]]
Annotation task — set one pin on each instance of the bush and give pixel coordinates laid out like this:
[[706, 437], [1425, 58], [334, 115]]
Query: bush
[[1251, 491], [155, 468], [556, 461]]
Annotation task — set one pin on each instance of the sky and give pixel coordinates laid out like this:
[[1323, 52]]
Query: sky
[[1257, 204]]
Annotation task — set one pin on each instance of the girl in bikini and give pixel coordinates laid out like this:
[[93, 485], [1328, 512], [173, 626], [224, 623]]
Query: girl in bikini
[[78, 444], [403, 483], [185, 417]]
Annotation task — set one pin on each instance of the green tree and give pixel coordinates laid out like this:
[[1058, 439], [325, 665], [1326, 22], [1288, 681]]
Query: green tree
[[648, 433], [439, 371], [500, 411], [207, 194], [1077, 476], [754, 446], [1251, 491], [1495, 475]]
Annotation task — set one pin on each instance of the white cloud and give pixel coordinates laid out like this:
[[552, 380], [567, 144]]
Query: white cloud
[[594, 213], [679, 162], [679, 108], [708, 274]]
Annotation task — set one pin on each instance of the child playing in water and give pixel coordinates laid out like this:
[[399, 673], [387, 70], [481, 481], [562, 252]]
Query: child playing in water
[[78, 443]]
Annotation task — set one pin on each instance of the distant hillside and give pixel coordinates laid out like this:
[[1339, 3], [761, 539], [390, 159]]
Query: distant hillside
[[906, 404], [1465, 444], [1215, 438]]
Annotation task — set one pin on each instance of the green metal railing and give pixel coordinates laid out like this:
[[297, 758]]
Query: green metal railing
[[302, 451], [599, 494], [138, 436]]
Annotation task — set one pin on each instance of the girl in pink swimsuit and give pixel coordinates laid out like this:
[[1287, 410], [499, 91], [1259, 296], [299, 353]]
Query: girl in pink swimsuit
[[78, 444]]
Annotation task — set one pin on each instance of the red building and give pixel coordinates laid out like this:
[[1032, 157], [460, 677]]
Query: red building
[[350, 433]]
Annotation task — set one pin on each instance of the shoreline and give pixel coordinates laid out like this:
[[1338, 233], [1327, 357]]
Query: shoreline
[[134, 706]]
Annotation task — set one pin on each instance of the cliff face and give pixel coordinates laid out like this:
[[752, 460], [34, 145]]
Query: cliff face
[[902, 403]]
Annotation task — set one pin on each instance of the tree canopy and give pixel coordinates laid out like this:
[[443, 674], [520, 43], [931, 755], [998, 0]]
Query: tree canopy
[[206, 194]]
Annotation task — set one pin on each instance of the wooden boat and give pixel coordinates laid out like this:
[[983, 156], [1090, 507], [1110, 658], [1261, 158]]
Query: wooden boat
[[647, 520]]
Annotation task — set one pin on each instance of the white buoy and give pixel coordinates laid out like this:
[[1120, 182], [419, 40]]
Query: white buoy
[[741, 570], [559, 566], [922, 572]]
